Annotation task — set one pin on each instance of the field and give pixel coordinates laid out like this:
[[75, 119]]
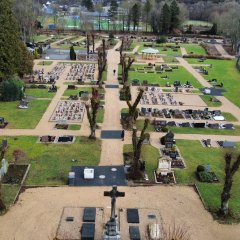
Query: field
[[23, 118], [194, 48], [179, 74], [50, 163], [39, 93]]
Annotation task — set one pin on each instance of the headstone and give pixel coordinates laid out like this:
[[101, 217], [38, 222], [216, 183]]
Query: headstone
[[112, 228], [88, 231]]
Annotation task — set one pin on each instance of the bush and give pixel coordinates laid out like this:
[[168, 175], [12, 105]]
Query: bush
[[111, 35], [162, 39], [73, 55], [200, 168], [205, 176], [164, 129], [12, 90]]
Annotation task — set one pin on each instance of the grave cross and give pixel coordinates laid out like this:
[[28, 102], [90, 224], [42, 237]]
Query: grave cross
[[114, 193]]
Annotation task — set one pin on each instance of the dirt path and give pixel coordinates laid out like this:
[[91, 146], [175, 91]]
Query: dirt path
[[183, 51], [222, 51], [38, 211], [190, 69]]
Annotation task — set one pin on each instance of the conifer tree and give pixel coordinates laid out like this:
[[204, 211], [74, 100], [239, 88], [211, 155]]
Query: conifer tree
[[175, 11], [13, 54], [165, 18]]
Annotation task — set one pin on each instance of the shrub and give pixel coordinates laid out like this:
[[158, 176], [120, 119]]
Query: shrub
[[162, 39], [200, 168], [12, 90], [205, 176], [72, 53], [164, 129]]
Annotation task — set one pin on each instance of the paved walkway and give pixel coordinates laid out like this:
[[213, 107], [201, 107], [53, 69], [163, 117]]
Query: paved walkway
[[112, 149], [222, 51]]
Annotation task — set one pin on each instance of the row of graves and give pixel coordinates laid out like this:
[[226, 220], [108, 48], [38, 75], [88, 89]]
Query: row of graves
[[161, 125], [83, 56], [155, 96], [222, 144], [51, 77], [190, 114], [81, 73], [157, 69], [170, 159], [68, 110], [64, 139], [89, 223]]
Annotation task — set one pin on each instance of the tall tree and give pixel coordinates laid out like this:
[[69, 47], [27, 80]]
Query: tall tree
[[88, 4], [147, 10], [136, 15], [229, 25], [92, 114], [126, 64], [132, 110], [11, 50], [102, 62], [137, 149], [175, 12], [165, 18], [230, 170], [99, 10]]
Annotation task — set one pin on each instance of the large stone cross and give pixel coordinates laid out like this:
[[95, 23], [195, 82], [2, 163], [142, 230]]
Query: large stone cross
[[114, 193]]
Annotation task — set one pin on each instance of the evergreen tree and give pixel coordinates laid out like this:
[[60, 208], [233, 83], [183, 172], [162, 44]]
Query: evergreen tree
[[165, 18], [213, 30], [113, 8], [147, 9], [72, 53], [12, 52], [88, 4], [135, 15], [11, 90], [26, 61], [175, 12]]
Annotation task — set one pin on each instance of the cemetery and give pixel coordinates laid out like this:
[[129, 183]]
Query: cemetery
[[146, 116], [70, 111]]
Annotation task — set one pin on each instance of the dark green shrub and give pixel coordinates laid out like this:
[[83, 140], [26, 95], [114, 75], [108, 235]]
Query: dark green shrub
[[73, 55], [200, 168], [12, 90], [164, 129], [205, 176], [162, 39]]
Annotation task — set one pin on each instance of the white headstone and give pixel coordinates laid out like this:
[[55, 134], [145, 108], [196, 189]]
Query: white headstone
[[4, 165]]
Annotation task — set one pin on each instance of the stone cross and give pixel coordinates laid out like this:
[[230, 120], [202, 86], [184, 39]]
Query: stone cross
[[114, 193]]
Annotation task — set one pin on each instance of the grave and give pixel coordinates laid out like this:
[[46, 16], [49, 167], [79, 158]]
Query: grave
[[111, 86], [87, 231], [111, 134], [103, 176]]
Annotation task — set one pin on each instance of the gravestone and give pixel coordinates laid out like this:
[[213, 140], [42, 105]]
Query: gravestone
[[112, 226]]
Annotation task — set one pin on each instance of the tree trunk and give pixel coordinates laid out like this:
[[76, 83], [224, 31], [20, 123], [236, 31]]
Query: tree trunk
[[93, 132], [224, 208]]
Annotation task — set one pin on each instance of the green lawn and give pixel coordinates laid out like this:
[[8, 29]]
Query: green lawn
[[214, 157], [207, 100], [41, 38], [150, 154], [39, 93], [23, 118], [9, 193], [186, 130], [74, 127], [69, 92], [162, 48], [224, 71], [229, 117], [45, 63], [180, 74], [194, 48], [100, 115], [50, 163]]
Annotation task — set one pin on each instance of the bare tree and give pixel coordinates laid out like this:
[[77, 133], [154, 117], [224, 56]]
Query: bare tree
[[230, 170], [92, 114], [126, 64], [137, 149], [132, 111], [93, 42], [88, 44], [229, 24], [102, 62]]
